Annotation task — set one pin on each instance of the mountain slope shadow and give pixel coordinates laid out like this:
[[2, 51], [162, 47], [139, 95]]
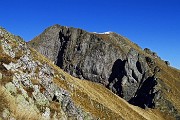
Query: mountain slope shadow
[[144, 96], [64, 41], [116, 76]]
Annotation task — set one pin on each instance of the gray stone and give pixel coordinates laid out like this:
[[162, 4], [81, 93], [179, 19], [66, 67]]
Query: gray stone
[[16, 79], [6, 113], [40, 98], [24, 92], [153, 54], [12, 66], [25, 80], [22, 101], [8, 49], [150, 61], [1, 33], [124, 80], [167, 63], [8, 66], [46, 114], [11, 88], [28, 63], [156, 70]]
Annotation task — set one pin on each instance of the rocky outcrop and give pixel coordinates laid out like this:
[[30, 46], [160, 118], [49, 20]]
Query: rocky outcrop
[[109, 59], [167, 63]]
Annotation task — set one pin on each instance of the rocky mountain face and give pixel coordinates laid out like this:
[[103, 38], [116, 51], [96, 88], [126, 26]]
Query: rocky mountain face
[[134, 74]]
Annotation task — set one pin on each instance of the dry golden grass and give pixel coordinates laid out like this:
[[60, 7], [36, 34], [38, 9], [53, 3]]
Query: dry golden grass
[[17, 111], [42, 89], [171, 78], [28, 90], [119, 106], [54, 107], [35, 42], [103, 36], [96, 99], [18, 54], [35, 82], [108, 39], [4, 58]]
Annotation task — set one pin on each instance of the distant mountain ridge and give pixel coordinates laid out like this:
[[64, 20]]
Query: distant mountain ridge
[[139, 76]]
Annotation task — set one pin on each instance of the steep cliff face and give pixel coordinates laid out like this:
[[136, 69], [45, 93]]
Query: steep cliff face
[[109, 59]]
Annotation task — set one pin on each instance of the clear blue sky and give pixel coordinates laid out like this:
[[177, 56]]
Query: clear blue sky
[[154, 24]]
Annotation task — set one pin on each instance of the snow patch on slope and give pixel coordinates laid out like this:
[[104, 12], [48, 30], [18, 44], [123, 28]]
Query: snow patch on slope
[[103, 32]]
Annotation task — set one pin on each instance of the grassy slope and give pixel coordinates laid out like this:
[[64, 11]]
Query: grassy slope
[[171, 78], [8, 101]]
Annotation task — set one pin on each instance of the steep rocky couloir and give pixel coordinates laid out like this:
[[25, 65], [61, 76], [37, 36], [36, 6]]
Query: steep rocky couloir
[[109, 59]]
